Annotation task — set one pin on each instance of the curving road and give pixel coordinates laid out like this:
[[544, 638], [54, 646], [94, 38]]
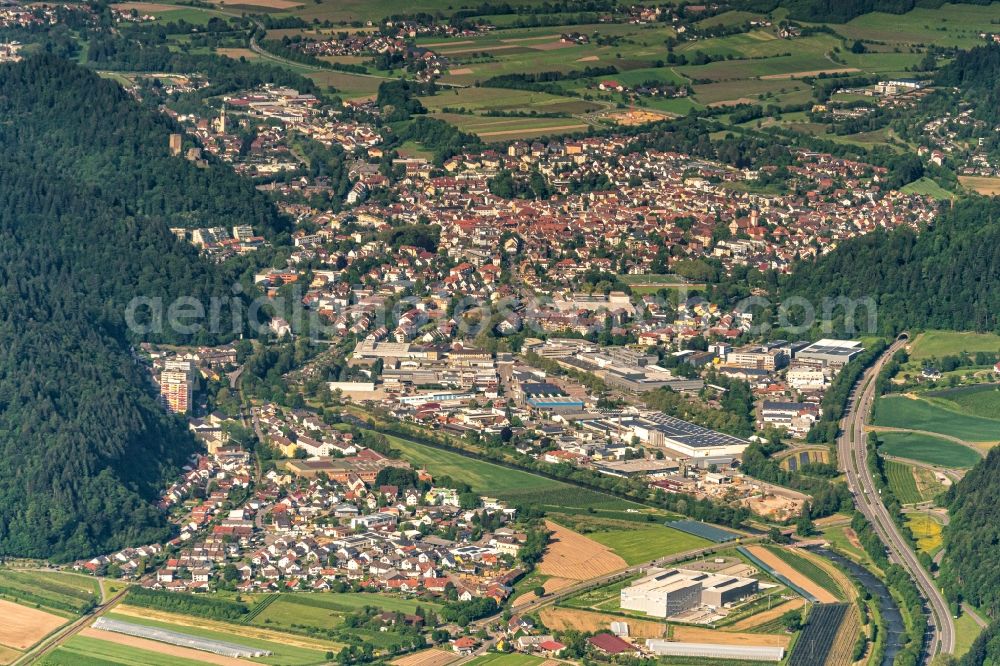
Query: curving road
[[852, 453]]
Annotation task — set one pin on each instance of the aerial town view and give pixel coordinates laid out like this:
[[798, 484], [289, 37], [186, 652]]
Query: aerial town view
[[500, 333]]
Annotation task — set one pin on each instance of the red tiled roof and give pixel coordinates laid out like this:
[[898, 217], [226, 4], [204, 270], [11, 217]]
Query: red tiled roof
[[610, 644]]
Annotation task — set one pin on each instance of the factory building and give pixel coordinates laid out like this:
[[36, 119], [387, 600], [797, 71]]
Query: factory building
[[668, 592]]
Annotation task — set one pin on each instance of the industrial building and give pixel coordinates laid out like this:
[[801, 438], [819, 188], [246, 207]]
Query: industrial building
[[683, 438], [668, 592], [832, 353]]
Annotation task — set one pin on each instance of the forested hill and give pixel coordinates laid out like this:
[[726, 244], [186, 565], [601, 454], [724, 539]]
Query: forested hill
[[943, 277], [975, 73], [87, 196], [970, 569], [77, 125]]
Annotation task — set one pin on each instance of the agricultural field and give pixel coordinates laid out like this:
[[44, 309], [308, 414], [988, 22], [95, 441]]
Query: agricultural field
[[913, 413], [926, 529], [559, 618], [948, 25], [942, 343], [985, 185], [981, 400], [67, 594], [573, 557], [291, 612], [429, 657], [289, 650], [500, 129], [495, 659], [515, 485], [819, 635], [793, 568], [22, 626], [902, 482], [642, 544], [809, 569], [88, 650], [502, 99], [170, 12], [927, 449], [927, 187]]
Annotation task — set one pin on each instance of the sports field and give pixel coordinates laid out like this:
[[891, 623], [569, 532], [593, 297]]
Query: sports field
[[927, 449], [913, 413]]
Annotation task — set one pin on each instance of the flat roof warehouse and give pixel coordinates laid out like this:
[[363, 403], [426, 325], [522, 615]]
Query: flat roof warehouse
[[686, 438]]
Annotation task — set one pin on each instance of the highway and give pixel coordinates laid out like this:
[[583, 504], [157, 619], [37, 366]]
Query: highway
[[852, 453]]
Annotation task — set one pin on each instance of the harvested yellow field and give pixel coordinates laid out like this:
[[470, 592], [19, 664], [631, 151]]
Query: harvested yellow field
[[786, 570], [637, 117], [813, 72], [702, 635], [988, 185], [765, 617], [572, 556], [22, 627], [562, 619], [431, 657], [270, 4], [8, 655], [237, 53], [163, 648]]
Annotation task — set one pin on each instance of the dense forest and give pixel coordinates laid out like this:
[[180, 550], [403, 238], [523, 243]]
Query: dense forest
[[975, 73], [970, 571], [943, 277], [87, 197]]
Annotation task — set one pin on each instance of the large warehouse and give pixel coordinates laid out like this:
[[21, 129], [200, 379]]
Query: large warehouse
[[832, 353], [687, 439], [668, 592]]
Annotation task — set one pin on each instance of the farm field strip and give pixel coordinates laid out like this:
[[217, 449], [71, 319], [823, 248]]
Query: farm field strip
[[289, 650], [902, 482], [791, 573], [162, 648]]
